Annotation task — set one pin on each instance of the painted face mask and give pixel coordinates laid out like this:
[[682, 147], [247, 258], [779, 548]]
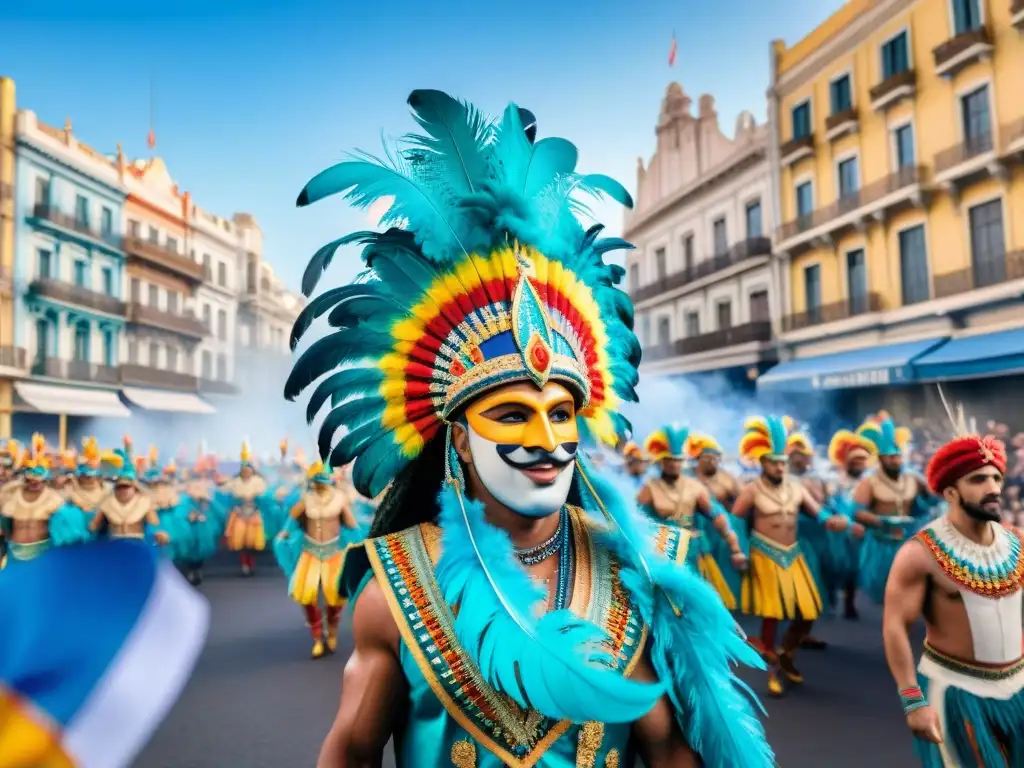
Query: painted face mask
[[524, 441]]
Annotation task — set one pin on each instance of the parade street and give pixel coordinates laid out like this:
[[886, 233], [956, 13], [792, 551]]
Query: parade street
[[257, 700]]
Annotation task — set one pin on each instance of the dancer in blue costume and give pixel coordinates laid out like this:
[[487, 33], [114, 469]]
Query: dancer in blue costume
[[204, 521], [459, 365], [891, 503], [35, 517], [681, 500], [851, 455], [171, 507], [128, 512]]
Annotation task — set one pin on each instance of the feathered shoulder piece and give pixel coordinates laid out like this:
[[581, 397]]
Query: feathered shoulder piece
[[846, 444], [888, 439], [764, 437], [484, 277], [668, 442], [698, 444]]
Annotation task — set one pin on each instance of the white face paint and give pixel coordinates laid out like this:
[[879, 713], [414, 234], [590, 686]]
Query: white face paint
[[511, 486]]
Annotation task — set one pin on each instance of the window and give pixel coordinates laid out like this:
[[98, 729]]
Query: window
[[634, 279], [841, 97], [106, 221], [222, 325], [206, 265], [133, 351], [206, 315], [44, 262], [721, 241], [688, 252], [977, 121], [134, 228], [222, 368], [154, 355], [207, 365], [222, 274], [812, 291], [660, 267], [895, 56], [759, 308], [904, 140], [724, 311], [42, 191], [172, 359], [988, 257], [81, 210], [914, 265], [857, 281], [80, 272], [849, 182], [804, 199], [172, 302], [664, 332], [754, 219], [108, 349], [154, 235], [802, 120], [691, 321], [966, 16], [136, 289], [107, 276], [82, 332], [645, 329], [171, 244], [42, 340], [154, 297]]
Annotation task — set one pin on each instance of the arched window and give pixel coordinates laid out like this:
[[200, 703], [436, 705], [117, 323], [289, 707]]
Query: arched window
[[82, 334]]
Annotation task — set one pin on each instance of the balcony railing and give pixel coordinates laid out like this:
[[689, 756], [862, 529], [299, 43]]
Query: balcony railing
[[797, 149], [893, 89], [745, 249], [215, 387], [841, 123], [961, 50], [968, 149], [981, 274], [830, 313], [13, 357], [74, 370], [143, 375], [759, 330], [69, 293], [184, 324], [58, 218], [163, 258], [873, 193]]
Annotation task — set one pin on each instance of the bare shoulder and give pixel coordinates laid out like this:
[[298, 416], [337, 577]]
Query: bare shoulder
[[913, 560], [373, 624]]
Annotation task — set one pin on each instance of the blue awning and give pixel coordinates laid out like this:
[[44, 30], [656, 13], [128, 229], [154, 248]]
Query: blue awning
[[989, 354], [868, 367]]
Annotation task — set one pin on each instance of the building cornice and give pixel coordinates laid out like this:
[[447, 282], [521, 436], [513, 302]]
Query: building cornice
[[157, 210], [116, 192]]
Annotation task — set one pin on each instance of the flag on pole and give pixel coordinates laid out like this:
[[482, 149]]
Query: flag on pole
[[672, 51], [151, 139]]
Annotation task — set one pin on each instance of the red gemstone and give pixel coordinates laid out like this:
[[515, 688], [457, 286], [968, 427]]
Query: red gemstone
[[457, 368], [540, 357]]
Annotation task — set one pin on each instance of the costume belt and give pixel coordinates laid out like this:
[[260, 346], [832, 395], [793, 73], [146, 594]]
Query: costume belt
[[28, 550], [971, 669], [127, 535], [780, 554], [321, 549], [246, 509]]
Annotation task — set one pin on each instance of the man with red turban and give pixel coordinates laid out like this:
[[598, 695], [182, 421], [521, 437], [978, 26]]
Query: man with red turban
[[962, 574]]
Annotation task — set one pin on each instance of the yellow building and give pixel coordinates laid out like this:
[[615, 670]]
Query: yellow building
[[12, 360], [899, 136]]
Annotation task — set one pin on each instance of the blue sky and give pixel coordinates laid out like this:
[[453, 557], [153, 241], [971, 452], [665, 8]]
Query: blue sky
[[252, 99]]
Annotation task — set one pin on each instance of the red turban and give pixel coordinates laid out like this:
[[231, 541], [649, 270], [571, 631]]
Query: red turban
[[961, 456]]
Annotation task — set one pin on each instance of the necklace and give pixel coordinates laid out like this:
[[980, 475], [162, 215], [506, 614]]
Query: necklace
[[559, 543], [546, 549], [992, 571]]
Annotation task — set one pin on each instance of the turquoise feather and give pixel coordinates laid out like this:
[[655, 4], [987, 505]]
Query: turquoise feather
[[344, 297], [350, 446], [456, 136], [349, 382], [552, 158], [556, 665], [676, 436], [349, 345], [322, 259], [777, 430], [379, 461]]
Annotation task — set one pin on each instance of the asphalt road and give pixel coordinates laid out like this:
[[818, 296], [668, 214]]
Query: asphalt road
[[256, 699]]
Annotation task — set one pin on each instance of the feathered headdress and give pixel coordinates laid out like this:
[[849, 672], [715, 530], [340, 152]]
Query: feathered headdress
[[89, 459], [9, 453], [245, 456], [171, 469], [69, 460], [799, 442], [633, 452], [284, 449], [491, 280], [317, 473], [129, 449], [35, 463], [965, 453], [846, 444], [699, 444], [121, 467], [888, 439], [669, 442], [765, 438]]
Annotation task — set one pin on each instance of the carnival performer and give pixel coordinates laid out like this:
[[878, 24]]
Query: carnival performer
[[635, 464], [311, 550], [66, 463], [490, 323], [251, 517], [86, 489], [852, 455], [34, 517], [891, 503], [172, 508], [706, 454], [205, 520], [683, 501], [962, 574], [128, 512], [779, 585]]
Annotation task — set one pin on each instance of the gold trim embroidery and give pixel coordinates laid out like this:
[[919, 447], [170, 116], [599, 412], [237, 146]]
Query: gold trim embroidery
[[589, 744], [463, 754], [612, 759]]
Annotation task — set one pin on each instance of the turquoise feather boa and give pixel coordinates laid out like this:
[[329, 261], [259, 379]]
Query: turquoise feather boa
[[554, 665]]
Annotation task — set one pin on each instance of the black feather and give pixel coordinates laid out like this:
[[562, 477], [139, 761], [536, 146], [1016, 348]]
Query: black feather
[[324, 355], [322, 259], [347, 383]]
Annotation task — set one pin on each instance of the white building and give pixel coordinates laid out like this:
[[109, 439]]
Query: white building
[[266, 308], [700, 276], [214, 244]]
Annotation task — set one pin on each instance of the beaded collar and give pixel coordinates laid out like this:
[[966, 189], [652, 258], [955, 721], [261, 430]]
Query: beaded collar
[[993, 571]]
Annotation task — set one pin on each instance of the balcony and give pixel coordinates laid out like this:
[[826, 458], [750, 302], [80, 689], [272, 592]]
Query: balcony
[[795, 150], [830, 313], [144, 376], [757, 331], [74, 370], [54, 217], [894, 89], [157, 256], [13, 358], [183, 324], [841, 124], [1013, 138], [963, 163], [961, 51], [1017, 14], [981, 274], [740, 252], [76, 295], [896, 191], [215, 387]]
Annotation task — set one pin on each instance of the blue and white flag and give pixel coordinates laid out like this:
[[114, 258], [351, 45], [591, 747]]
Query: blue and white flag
[[97, 642]]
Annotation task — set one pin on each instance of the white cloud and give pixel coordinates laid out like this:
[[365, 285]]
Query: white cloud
[[376, 211]]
